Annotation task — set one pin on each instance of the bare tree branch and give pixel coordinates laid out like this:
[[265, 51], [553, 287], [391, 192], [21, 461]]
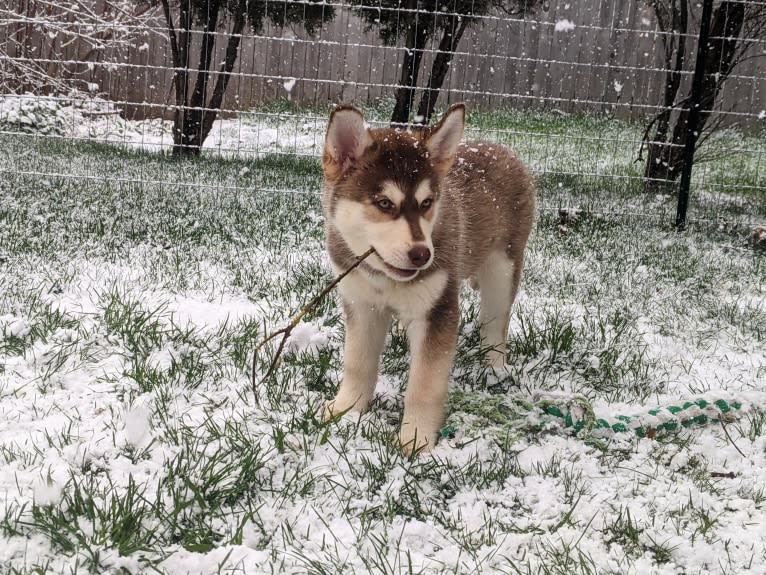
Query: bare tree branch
[[53, 42]]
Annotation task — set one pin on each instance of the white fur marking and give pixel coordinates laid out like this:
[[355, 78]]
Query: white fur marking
[[365, 336], [393, 192], [409, 300], [423, 191], [426, 389]]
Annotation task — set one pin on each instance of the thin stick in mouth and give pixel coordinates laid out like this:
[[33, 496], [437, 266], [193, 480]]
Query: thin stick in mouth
[[287, 330]]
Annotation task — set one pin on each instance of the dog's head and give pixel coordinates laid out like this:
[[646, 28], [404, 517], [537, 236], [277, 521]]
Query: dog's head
[[382, 187]]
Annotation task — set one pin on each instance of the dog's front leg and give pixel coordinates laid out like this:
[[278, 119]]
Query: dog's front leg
[[432, 349], [366, 328]]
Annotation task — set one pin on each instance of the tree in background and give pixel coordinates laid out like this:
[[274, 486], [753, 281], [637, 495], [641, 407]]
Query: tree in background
[[452, 24], [419, 21], [49, 47], [196, 107], [732, 22]]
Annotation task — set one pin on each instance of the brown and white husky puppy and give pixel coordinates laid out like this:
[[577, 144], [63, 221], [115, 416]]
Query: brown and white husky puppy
[[436, 211]]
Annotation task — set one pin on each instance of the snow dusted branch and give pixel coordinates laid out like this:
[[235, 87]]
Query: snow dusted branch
[[49, 46]]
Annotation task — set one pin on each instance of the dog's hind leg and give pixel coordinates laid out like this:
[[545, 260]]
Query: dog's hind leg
[[498, 280], [366, 328]]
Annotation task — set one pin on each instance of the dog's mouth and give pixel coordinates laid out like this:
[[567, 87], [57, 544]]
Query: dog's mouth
[[401, 274]]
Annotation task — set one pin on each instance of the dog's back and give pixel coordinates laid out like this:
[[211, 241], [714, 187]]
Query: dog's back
[[488, 205]]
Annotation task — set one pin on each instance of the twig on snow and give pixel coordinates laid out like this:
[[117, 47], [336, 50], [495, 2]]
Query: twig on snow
[[728, 475], [726, 431]]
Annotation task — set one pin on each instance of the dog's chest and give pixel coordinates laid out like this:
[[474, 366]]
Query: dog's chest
[[408, 300]]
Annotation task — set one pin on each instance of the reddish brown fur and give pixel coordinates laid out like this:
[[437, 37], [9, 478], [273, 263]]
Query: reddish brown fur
[[483, 207]]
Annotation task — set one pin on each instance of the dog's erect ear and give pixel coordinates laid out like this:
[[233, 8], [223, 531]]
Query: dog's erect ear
[[346, 140], [443, 139]]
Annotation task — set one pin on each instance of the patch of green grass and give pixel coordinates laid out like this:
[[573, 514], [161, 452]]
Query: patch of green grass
[[190, 506], [661, 551], [140, 330], [625, 531], [748, 317], [564, 557], [542, 122]]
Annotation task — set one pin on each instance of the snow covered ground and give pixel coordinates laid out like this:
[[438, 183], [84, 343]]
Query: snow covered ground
[[134, 286], [98, 120]]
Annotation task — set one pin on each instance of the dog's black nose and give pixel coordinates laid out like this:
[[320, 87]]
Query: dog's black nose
[[419, 255]]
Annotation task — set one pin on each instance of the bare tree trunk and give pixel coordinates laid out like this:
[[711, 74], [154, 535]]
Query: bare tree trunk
[[728, 21], [447, 46], [191, 132], [194, 117], [676, 19], [178, 68], [417, 35], [727, 25], [179, 46], [224, 75]]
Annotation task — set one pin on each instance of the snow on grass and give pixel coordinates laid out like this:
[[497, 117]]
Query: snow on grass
[[98, 120], [595, 159], [134, 286]]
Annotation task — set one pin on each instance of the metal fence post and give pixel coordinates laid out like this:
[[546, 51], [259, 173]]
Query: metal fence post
[[694, 111]]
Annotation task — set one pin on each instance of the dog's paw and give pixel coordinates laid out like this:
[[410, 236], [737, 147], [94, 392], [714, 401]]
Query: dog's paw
[[498, 364], [414, 440], [330, 410], [496, 358], [337, 407]]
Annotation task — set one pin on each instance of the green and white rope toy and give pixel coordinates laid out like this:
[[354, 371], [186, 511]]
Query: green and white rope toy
[[575, 414], [657, 421]]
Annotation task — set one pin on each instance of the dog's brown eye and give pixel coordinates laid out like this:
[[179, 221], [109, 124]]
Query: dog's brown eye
[[425, 204], [385, 204]]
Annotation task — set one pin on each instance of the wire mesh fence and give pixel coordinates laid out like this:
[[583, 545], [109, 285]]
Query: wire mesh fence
[[594, 95]]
